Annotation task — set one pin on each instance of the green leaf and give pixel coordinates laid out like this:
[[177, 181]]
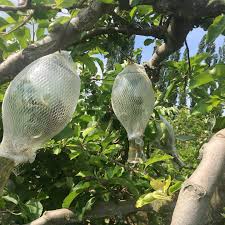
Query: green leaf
[[23, 36], [67, 132], [148, 41], [134, 2], [10, 199], [127, 183], [2, 203], [144, 200], [107, 1], [43, 23], [157, 158], [216, 28], [40, 33], [35, 208], [6, 2], [205, 106], [157, 184], [133, 12], [169, 90], [3, 22], [84, 174], [116, 171], [220, 124], [86, 118], [89, 62], [200, 79], [43, 14], [175, 187], [143, 10], [64, 3], [57, 151], [88, 131], [218, 71], [167, 184], [150, 197], [2, 45], [77, 130], [86, 208], [78, 189], [74, 154], [183, 137], [197, 59]]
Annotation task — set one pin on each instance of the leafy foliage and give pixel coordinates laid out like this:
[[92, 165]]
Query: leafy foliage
[[86, 163]]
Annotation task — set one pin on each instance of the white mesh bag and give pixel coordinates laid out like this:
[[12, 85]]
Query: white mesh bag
[[38, 104], [133, 103]]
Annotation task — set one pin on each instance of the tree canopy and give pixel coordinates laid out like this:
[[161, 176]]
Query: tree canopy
[[81, 176]]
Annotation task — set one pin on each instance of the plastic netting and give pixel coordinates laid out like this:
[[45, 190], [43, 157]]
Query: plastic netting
[[38, 104], [133, 100]]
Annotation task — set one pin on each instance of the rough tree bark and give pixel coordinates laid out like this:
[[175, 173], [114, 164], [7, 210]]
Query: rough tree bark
[[197, 191], [194, 198], [176, 34]]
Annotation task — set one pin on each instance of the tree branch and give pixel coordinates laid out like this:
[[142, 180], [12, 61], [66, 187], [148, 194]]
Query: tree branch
[[27, 6], [187, 8], [193, 201], [154, 31], [177, 31], [61, 37], [71, 34], [101, 210]]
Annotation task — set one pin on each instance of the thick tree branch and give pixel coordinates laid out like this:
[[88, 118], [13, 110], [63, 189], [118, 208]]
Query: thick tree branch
[[61, 37], [102, 210], [193, 201], [27, 6], [187, 8], [177, 31], [154, 31]]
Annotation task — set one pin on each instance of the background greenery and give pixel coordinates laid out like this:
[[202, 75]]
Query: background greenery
[[86, 163]]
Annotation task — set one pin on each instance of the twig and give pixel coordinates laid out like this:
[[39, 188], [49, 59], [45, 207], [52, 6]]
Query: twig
[[26, 19], [78, 5], [33, 32], [100, 79], [188, 55], [186, 78], [27, 6], [119, 19], [154, 31]]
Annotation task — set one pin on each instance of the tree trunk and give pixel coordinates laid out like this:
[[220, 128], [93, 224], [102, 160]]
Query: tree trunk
[[194, 199]]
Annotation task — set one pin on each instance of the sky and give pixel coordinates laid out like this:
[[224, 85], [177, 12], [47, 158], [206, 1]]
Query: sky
[[193, 40]]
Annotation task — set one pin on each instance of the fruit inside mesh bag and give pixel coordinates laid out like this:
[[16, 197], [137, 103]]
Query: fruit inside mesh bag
[[38, 104]]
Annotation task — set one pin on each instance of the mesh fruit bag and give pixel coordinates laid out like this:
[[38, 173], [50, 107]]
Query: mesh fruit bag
[[38, 104], [133, 102]]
